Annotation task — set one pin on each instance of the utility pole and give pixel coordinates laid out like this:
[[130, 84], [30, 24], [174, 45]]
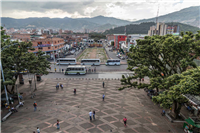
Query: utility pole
[[156, 21]]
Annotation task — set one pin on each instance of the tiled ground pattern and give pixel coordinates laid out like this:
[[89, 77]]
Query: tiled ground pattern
[[72, 110]]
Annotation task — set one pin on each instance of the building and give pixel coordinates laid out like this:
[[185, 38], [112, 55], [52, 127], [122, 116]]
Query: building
[[45, 44], [163, 29], [47, 32], [60, 31], [110, 37], [22, 37], [119, 38]]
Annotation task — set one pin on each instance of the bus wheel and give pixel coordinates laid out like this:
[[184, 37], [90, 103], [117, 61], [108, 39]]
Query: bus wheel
[[115, 64], [78, 73]]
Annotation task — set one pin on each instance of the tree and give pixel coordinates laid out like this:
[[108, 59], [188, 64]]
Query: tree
[[16, 58], [176, 86], [159, 57], [112, 43]]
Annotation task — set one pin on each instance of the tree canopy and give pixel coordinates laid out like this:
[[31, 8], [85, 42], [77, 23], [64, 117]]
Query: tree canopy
[[176, 86], [15, 58], [159, 57]]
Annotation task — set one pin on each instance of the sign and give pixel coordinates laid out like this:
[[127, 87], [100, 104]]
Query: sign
[[44, 45]]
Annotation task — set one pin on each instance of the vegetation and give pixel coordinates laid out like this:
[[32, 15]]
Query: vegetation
[[143, 28], [176, 86], [15, 58], [97, 36], [112, 43], [159, 57]]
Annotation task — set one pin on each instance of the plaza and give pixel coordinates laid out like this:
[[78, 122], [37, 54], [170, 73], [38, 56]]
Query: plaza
[[73, 110]]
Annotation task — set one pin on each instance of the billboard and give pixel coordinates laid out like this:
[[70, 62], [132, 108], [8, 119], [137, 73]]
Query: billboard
[[171, 29]]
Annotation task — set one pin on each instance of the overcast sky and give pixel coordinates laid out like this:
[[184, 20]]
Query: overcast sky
[[122, 9]]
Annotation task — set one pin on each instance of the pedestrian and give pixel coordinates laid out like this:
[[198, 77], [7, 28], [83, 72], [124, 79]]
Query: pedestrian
[[58, 124], [142, 79], [95, 69], [61, 86], [90, 114], [57, 86], [21, 104], [103, 84], [103, 96], [38, 130], [35, 106], [125, 120], [74, 91], [13, 110], [55, 69], [62, 70], [93, 114]]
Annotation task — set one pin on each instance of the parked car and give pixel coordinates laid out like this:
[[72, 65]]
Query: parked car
[[122, 58]]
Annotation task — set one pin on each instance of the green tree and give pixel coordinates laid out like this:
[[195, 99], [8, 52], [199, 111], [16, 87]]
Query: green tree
[[159, 57], [15, 58], [176, 86], [112, 43]]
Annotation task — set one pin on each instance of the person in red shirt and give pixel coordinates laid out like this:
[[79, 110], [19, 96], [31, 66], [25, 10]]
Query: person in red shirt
[[125, 120]]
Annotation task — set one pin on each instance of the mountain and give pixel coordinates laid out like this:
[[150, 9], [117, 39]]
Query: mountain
[[143, 28], [96, 23], [101, 20], [189, 16]]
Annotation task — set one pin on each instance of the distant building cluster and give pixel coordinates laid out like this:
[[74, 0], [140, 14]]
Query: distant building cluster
[[163, 29]]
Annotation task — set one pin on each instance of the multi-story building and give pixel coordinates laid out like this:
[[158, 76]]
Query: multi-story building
[[45, 44], [163, 29], [47, 32], [110, 37], [60, 31], [22, 37], [119, 38]]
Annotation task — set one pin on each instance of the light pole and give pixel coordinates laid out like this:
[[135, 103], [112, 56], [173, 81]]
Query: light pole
[[53, 53], [4, 85]]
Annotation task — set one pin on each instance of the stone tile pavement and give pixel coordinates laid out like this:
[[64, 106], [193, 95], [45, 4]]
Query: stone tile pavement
[[72, 110]]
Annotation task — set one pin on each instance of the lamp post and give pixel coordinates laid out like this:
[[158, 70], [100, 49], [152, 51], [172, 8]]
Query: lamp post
[[4, 85], [53, 53]]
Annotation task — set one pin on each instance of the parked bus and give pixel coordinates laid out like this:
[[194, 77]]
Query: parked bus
[[90, 62], [113, 62], [75, 70], [66, 61]]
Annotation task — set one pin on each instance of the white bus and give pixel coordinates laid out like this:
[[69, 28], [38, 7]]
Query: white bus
[[66, 61], [75, 70], [113, 62], [90, 62]]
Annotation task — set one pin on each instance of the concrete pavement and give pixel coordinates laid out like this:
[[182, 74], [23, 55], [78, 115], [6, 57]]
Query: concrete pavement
[[72, 110]]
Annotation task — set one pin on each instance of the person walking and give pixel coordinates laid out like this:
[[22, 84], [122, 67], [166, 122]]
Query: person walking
[[61, 86], [93, 114], [58, 124], [38, 130], [55, 69], [103, 96], [90, 114], [35, 106], [74, 91], [103, 84], [57, 86], [125, 120]]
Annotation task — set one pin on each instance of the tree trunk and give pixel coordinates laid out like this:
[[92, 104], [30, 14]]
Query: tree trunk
[[13, 86], [177, 109], [157, 89], [8, 89]]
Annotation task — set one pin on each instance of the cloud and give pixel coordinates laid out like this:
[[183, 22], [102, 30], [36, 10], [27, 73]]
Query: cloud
[[123, 9]]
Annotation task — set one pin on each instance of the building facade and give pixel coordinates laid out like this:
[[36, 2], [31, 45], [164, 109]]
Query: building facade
[[119, 38]]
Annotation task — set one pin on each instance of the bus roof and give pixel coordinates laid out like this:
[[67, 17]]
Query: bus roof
[[90, 59], [66, 58], [76, 66], [113, 59]]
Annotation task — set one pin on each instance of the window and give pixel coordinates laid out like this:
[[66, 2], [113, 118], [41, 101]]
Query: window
[[55, 46], [49, 47]]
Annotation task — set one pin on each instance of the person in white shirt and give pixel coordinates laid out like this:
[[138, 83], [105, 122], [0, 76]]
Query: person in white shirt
[[90, 114], [21, 104], [38, 130]]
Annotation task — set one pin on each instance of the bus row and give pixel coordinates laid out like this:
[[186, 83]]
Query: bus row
[[94, 62]]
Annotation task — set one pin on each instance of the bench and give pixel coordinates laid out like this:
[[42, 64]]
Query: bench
[[5, 117], [10, 112]]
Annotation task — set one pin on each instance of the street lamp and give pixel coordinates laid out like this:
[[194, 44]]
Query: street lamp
[[53, 53]]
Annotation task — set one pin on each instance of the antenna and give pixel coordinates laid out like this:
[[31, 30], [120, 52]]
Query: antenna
[[157, 19]]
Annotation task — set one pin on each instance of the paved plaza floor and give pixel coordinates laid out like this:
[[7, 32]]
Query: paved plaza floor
[[73, 110]]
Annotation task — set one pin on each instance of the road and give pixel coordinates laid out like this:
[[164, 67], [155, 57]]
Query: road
[[98, 68], [113, 54]]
